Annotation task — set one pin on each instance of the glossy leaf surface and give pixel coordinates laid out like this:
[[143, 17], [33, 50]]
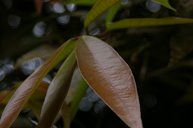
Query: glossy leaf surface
[[110, 77], [26, 89], [99, 7], [165, 3], [148, 22], [57, 92]]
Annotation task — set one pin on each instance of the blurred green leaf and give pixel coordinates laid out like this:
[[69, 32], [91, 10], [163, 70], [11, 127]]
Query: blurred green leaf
[[110, 77], [26, 89], [57, 92], [165, 3], [4, 94], [111, 13], [80, 92], [99, 7], [148, 22], [82, 2]]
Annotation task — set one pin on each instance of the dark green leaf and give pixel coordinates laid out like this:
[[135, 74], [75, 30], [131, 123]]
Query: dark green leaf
[[82, 2], [111, 13], [80, 92], [99, 7], [148, 22]]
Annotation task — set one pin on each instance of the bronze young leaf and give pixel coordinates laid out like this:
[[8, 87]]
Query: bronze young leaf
[[110, 77]]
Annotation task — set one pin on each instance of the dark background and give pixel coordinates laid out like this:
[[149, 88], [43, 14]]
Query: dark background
[[160, 57]]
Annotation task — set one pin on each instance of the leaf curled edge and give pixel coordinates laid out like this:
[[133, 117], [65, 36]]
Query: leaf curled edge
[[110, 77]]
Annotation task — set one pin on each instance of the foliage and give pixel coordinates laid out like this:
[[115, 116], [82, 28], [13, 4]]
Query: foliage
[[166, 4], [93, 55], [106, 25]]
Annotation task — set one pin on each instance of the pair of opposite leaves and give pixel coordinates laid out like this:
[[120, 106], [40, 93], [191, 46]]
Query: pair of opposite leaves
[[103, 69]]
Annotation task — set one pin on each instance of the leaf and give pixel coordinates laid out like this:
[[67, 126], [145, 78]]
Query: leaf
[[147, 22], [35, 101], [57, 92], [111, 13], [27, 88], [82, 2], [80, 92], [65, 115], [110, 77], [165, 3], [99, 7]]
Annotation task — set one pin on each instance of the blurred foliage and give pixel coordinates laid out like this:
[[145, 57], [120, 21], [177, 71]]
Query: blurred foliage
[[165, 3], [160, 57]]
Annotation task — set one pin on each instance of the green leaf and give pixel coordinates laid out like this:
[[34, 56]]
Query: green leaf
[[99, 7], [57, 92], [165, 3], [80, 92], [65, 112], [110, 77], [24, 92], [111, 13], [82, 2], [148, 22]]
